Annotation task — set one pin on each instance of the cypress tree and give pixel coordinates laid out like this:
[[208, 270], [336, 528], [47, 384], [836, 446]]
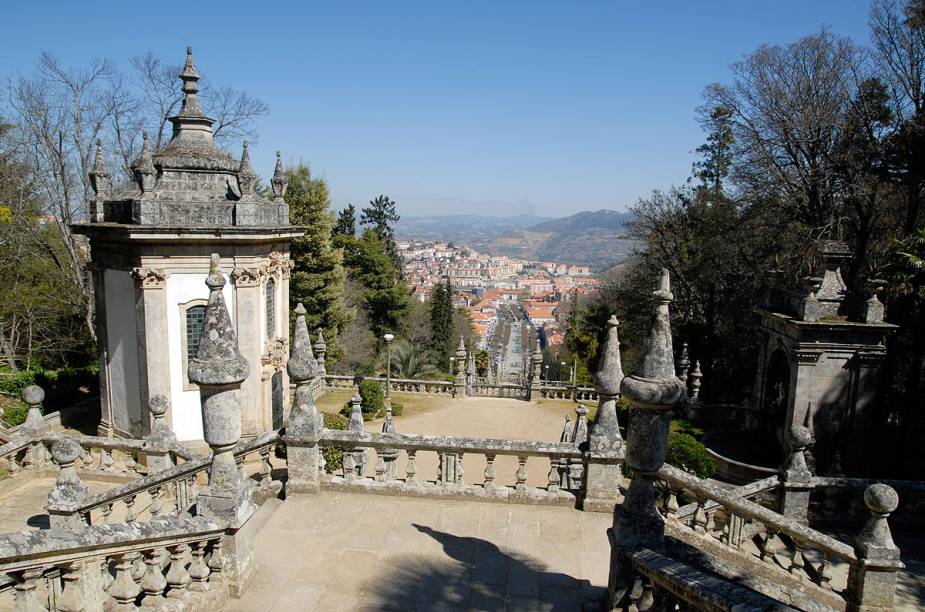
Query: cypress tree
[[318, 277]]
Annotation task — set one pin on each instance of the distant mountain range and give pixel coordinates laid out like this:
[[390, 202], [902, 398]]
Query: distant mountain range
[[599, 238]]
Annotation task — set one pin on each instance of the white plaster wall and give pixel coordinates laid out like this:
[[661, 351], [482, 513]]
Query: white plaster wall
[[123, 350], [185, 405]]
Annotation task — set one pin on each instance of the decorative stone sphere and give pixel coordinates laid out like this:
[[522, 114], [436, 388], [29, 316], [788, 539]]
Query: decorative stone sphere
[[158, 405], [33, 394], [881, 498], [65, 450], [800, 437]]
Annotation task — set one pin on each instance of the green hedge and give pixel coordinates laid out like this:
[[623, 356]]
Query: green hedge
[[372, 401], [333, 456], [15, 413], [686, 453]]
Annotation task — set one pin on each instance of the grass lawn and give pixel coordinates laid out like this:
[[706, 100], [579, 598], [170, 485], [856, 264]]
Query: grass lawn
[[333, 402]]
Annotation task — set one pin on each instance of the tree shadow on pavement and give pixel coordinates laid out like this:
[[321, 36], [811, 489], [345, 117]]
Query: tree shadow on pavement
[[475, 575]]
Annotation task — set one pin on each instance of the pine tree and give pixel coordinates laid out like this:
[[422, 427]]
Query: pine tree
[[384, 293], [346, 222], [318, 276], [381, 217]]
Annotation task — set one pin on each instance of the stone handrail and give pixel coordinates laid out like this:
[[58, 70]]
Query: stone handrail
[[748, 491], [773, 534], [449, 478], [182, 477], [483, 389], [675, 583], [78, 565]]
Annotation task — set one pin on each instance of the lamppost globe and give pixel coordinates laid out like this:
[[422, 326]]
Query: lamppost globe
[[388, 337], [388, 371]]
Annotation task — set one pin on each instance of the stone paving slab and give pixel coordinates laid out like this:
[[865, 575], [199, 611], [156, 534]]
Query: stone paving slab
[[349, 551]]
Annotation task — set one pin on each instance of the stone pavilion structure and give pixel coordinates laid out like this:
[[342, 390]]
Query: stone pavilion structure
[[150, 244], [820, 359]]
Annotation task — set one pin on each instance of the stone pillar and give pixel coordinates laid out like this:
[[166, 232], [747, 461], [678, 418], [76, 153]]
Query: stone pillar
[[696, 375], [653, 391], [102, 349], [247, 309], [389, 455], [158, 442], [459, 387], [151, 334], [604, 454], [303, 457], [872, 580], [356, 425], [68, 492], [219, 369], [796, 480], [34, 426], [684, 364]]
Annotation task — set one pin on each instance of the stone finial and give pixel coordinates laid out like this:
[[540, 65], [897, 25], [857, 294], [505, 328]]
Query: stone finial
[[696, 375], [68, 490], [99, 174], [654, 383], [471, 364], [302, 364], [190, 87], [872, 310], [875, 539], [684, 364], [580, 434], [356, 414], [218, 362], [160, 430], [567, 430], [143, 167], [609, 373], [247, 178], [279, 182], [800, 439], [320, 349], [461, 349], [33, 395]]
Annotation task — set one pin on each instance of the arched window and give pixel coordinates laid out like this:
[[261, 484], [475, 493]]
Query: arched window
[[192, 317], [271, 309]]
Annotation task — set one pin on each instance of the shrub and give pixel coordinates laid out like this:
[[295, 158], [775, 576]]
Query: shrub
[[397, 408], [13, 383], [333, 456], [15, 413], [686, 453], [373, 399]]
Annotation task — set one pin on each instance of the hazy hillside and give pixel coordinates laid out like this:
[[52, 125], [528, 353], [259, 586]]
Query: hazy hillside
[[599, 238], [465, 229]]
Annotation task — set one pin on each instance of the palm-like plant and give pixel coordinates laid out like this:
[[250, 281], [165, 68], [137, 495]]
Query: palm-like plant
[[909, 270], [410, 361]]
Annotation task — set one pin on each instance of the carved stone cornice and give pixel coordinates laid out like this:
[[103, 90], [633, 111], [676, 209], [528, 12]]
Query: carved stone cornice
[[150, 278], [278, 264], [807, 358], [246, 277]]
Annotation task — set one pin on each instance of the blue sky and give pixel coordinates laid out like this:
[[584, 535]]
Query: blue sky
[[475, 107]]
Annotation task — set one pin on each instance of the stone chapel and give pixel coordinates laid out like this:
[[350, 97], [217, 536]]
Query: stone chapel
[[150, 243]]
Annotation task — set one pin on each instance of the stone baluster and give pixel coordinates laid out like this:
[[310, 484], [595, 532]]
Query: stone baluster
[[767, 547], [411, 469], [671, 505], [161, 438], [124, 590], [24, 595], [130, 514], [157, 506], [872, 578], [64, 498], [303, 457], [71, 598], [604, 452], [216, 561], [178, 577], [106, 461], [699, 522], [153, 582], [219, 369], [489, 483], [198, 570], [653, 391], [536, 363], [552, 478], [521, 474], [796, 480]]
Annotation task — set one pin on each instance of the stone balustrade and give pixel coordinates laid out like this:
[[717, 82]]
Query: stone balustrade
[[380, 475], [782, 549], [484, 389], [402, 385], [166, 564], [839, 499], [173, 491]]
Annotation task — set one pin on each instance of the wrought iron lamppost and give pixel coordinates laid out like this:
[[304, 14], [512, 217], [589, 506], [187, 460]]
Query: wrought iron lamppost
[[547, 373], [388, 372]]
